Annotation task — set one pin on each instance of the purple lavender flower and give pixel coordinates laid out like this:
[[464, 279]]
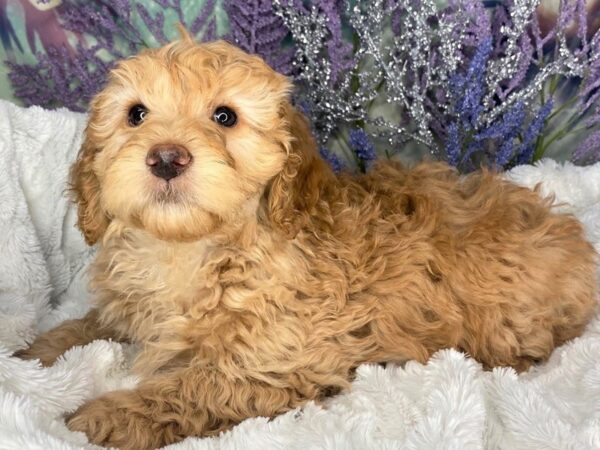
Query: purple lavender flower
[[58, 79], [589, 149], [504, 153], [70, 77], [540, 39], [303, 106], [340, 51], [456, 108], [525, 154], [362, 145], [174, 5], [590, 92], [396, 19], [464, 137], [594, 119], [468, 89], [504, 131], [582, 30], [477, 26], [526, 56], [104, 19], [506, 126], [154, 24], [336, 163], [255, 28], [500, 20], [206, 22], [566, 14], [453, 144]]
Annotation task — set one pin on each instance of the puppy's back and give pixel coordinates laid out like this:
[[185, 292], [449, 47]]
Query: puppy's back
[[485, 265]]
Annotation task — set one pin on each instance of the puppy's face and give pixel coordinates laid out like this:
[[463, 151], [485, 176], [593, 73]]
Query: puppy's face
[[183, 140]]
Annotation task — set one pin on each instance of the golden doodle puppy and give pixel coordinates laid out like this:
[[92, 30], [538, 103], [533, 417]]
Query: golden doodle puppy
[[255, 279]]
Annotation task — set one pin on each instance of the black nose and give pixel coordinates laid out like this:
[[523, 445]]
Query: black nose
[[168, 161]]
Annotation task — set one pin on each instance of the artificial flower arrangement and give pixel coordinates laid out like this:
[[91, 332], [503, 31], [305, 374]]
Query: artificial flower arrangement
[[474, 83]]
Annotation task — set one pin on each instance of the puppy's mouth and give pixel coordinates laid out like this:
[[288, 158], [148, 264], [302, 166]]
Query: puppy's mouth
[[167, 192]]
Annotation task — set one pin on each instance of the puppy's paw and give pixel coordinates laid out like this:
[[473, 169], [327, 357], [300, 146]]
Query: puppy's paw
[[46, 356], [112, 421]]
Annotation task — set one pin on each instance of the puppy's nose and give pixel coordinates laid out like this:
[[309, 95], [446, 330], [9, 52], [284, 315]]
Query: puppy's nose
[[168, 160]]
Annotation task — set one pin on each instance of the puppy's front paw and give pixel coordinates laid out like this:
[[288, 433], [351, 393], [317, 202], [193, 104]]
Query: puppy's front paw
[[111, 421], [46, 356]]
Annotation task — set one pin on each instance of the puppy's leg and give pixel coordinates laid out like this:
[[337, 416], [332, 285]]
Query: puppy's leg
[[50, 345], [170, 407]]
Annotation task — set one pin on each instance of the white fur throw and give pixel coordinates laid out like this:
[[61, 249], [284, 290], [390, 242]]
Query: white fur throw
[[450, 403]]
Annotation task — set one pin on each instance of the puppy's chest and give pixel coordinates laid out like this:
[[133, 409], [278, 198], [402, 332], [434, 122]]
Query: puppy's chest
[[162, 282], [160, 272]]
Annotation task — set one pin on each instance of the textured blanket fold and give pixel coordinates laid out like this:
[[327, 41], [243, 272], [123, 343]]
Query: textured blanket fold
[[449, 403]]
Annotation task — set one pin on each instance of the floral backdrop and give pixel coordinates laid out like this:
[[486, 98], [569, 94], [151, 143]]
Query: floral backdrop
[[474, 83]]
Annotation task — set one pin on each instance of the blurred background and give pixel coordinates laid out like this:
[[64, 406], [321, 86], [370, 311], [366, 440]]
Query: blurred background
[[494, 83], [29, 28]]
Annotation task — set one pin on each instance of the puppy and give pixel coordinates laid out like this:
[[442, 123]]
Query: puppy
[[256, 280]]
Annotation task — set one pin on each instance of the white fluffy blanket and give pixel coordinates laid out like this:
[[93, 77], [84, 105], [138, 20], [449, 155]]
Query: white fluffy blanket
[[450, 403]]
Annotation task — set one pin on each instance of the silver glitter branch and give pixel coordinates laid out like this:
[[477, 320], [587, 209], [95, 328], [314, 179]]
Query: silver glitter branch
[[506, 65], [569, 63], [393, 69], [411, 70]]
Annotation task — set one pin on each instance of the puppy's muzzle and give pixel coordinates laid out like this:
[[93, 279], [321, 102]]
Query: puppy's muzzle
[[168, 161]]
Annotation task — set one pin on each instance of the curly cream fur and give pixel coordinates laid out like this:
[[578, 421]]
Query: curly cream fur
[[259, 280]]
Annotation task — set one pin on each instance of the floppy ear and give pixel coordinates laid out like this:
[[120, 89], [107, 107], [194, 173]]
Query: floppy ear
[[294, 193], [85, 189]]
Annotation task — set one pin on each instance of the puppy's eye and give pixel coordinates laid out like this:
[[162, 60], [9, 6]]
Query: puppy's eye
[[137, 114], [225, 116]]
